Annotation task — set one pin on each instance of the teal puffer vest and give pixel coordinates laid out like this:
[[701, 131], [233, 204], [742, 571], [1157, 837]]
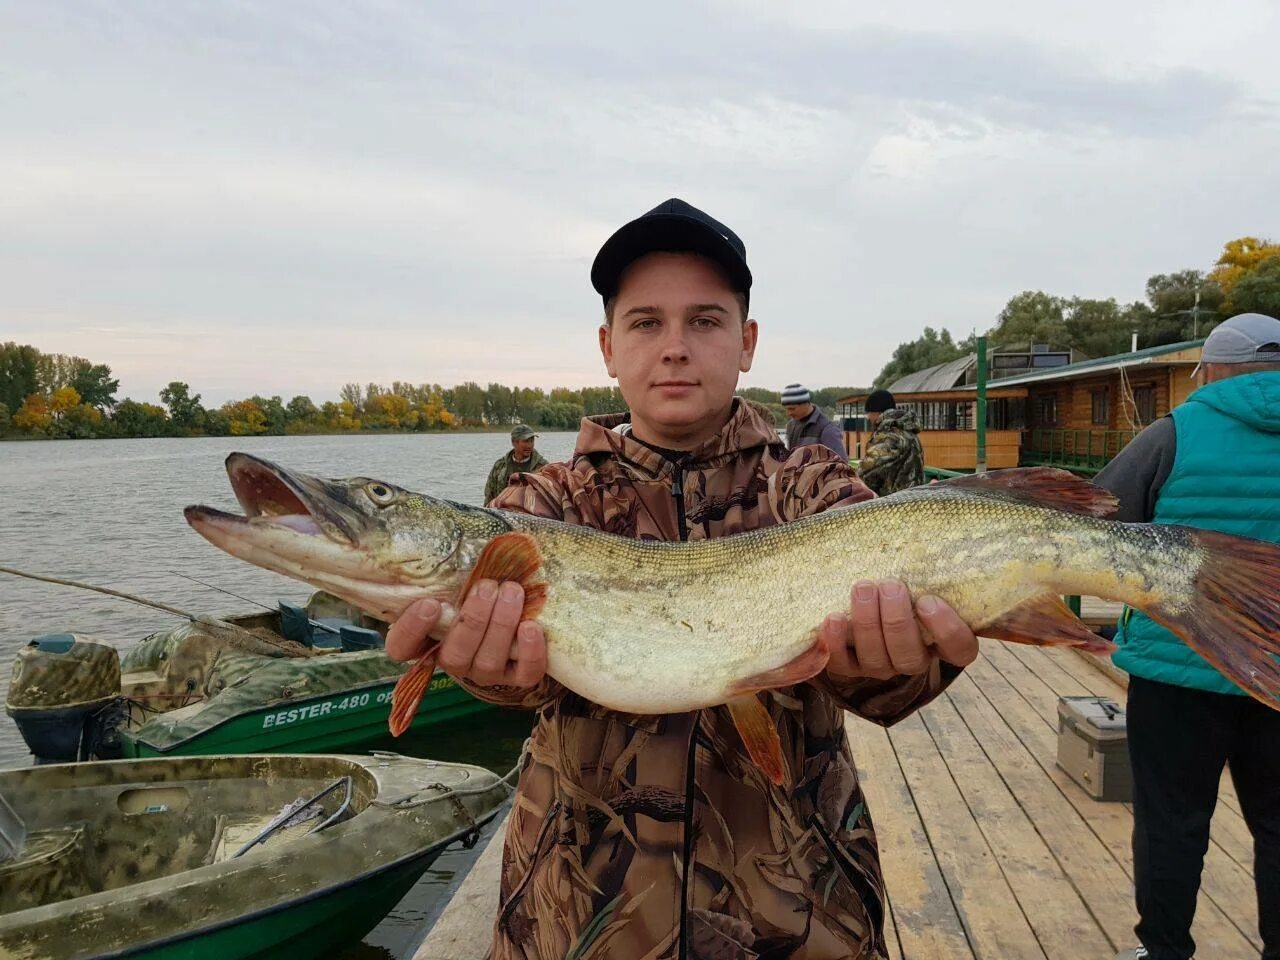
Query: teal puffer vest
[[1226, 476]]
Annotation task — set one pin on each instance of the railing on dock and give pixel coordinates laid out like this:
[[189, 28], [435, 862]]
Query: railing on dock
[[1084, 451]]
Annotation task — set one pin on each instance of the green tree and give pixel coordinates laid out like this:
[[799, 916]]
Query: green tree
[[928, 350], [4, 417], [133, 419], [558, 415], [1097, 328], [467, 402], [301, 408], [19, 373], [184, 410], [499, 403], [827, 397], [216, 424], [273, 412], [352, 394], [1032, 316], [1258, 290], [94, 383]]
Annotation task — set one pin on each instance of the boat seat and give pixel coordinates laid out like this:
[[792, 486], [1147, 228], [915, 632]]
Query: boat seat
[[232, 833], [295, 625], [359, 638], [330, 639], [52, 866]]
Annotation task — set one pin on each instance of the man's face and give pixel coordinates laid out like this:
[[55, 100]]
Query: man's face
[[676, 344], [797, 411], [522, 449]]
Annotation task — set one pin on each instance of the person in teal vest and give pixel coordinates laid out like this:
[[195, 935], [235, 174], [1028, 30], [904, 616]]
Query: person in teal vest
[[1214, 463]]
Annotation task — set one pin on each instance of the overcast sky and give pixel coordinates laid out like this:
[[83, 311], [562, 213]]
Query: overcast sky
[[282, 197]]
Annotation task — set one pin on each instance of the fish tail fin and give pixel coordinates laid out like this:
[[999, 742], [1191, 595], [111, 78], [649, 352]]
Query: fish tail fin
[[1232, 617], [409, 690]]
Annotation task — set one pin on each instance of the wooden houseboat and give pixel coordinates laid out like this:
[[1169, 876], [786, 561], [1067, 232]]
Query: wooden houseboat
[[1044, 405]]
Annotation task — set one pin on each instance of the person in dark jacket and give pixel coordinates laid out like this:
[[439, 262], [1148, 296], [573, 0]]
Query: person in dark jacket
[[893, 459], [1211, 463], [521, 458], [807, 424]]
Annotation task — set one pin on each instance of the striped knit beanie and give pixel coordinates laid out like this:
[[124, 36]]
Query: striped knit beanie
[[795, 393]]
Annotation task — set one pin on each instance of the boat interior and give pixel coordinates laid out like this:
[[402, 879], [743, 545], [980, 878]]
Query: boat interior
[[95, 827]]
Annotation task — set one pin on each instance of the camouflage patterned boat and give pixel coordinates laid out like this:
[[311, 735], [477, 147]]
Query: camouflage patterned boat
[[216, 686], [225, 857]]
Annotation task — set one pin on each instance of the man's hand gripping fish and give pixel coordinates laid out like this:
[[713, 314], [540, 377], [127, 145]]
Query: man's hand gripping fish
[[645, 627]]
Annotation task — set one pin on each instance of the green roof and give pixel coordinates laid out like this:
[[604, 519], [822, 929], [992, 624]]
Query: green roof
[[1096, 365]]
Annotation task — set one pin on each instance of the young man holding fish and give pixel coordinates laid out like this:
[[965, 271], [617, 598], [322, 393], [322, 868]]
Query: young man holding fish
[[655, 836]]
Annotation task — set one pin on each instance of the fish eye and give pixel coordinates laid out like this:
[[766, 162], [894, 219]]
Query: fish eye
[[379, 493]]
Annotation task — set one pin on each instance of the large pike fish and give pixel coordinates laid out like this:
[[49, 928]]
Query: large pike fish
[[647, 627]]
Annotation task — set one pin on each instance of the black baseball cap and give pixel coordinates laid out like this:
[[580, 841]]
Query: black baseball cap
[[677, 227]]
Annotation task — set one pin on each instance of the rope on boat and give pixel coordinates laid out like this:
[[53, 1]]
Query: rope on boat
[[109, 592], [507, 782]]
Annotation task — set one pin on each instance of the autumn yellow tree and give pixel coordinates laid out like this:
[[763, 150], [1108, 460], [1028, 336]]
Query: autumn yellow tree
[[1239, 258], [34, 414], [245, 418]]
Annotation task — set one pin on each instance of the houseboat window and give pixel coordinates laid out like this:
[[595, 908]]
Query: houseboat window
[[1041, 360], [1100, 408], [1144, 400], [1049, 410]]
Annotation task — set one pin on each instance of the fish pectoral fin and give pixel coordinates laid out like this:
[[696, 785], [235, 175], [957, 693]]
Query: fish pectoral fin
[[809, 664], [514, 557], [1045, 620], [409, 690], [759, 735]]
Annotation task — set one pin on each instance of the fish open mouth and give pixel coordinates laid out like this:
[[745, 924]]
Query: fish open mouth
[[306, 528], [270, 495]]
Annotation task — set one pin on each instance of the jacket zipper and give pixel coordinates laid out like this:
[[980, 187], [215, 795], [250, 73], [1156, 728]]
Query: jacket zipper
[[686, 864], [677, 494]]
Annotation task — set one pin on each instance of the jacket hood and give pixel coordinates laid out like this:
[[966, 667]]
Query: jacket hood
[[899, 418], [1252, 398], [750, 427]]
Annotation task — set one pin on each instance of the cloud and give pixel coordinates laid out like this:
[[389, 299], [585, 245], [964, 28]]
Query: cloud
[[279, 198]]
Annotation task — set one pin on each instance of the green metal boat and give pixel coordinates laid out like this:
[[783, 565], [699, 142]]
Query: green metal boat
[[235, 684], [223, 858]]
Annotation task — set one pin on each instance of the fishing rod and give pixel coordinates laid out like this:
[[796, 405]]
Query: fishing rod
[[105, 590], [256, 603]]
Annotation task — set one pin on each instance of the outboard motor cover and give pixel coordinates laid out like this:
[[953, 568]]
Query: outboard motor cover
[[61, 683]]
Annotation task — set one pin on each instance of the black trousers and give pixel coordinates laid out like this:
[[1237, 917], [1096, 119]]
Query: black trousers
[[1179, 740]]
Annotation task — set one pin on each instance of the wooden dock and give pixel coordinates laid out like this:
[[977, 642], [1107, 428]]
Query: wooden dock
[[989, 851]]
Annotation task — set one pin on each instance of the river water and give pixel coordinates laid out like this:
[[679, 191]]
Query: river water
[[109, 512]]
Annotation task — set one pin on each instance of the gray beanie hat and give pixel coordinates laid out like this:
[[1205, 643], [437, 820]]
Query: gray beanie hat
[[795, 393]]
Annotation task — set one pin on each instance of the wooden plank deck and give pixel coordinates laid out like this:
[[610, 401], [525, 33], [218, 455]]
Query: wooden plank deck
[[990, 852]]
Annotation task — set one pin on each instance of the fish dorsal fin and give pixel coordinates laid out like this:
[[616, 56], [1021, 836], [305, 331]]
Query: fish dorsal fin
[[1041, 486], [515, 557]]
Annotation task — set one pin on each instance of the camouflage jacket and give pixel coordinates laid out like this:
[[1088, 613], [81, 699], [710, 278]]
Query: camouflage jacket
[[502, 469], [653, 836], [893, 459]]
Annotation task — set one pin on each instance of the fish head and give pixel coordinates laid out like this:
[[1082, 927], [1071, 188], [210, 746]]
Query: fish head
[[367, 541]]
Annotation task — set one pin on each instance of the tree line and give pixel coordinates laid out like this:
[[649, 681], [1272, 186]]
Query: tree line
[[1180, 306], [60, 397]]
